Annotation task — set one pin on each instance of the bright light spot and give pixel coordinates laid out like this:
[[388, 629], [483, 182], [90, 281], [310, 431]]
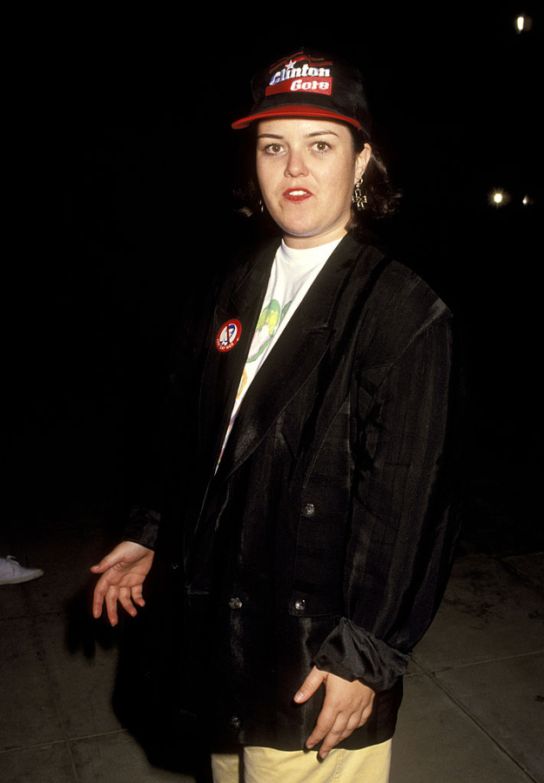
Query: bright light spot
[[527, 201], [499, 197], [523, 23]]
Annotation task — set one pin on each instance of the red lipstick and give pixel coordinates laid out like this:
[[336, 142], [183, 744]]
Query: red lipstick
[[296, 194]]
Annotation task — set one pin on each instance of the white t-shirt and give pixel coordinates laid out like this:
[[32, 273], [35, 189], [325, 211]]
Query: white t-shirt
[[293, 272]]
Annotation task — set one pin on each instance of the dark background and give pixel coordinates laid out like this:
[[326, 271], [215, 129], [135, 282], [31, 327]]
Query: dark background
[[120, 165]]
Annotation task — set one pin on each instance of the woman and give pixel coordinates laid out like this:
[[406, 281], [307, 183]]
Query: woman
[[314, 529]]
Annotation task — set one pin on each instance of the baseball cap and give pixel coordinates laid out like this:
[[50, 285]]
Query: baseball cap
[[309, 84]]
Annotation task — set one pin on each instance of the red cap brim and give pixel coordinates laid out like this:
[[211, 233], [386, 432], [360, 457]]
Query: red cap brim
[[294, 110]]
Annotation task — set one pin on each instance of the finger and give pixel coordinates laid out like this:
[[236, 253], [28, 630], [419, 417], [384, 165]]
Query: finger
[[367, 712], [98, 599], [341, 731], [107, 562], [336, 734], [310, 685], [324, 724], [126, 602], [330, 742], [355, 722], [111, 605], [137, 596]]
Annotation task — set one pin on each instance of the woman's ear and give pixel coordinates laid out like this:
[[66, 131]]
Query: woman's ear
[[361, 162]]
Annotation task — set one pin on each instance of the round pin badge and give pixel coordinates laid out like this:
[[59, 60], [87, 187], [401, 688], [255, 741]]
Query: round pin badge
[[228, 335]]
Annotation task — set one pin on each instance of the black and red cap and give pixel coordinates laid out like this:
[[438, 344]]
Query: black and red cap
[[309, 84]]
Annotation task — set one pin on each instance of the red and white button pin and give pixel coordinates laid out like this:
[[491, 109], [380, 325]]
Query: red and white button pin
[[228, 335]]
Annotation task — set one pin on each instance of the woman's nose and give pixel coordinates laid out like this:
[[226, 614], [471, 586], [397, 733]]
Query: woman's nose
[[295, 165]]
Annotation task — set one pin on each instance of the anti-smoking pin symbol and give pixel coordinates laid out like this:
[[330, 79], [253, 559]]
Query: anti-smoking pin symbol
[[228, 335]]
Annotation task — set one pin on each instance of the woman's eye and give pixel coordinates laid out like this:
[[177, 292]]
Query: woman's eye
[[322, 146], [272, 149]]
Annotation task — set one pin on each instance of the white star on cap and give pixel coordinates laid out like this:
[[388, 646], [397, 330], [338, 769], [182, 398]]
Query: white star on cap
[[291, 64]]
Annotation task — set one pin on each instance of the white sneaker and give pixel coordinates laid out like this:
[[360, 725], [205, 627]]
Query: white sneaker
[[12, 573]]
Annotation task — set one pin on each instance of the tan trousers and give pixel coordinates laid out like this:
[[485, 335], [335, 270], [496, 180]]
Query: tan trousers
[[267, 765]]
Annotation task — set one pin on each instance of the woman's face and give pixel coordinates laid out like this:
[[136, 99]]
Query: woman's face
[[306, 170]]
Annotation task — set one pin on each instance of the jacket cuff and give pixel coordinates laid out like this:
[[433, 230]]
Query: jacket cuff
[[142, 526], [355, 654]]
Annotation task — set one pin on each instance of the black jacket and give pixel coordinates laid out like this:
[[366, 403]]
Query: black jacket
[[327, 533]]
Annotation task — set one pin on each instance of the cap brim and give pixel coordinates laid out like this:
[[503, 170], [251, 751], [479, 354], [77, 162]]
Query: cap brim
[[294, 110]]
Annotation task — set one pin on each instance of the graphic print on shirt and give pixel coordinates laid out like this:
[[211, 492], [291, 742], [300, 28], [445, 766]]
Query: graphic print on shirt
[[268, 324]]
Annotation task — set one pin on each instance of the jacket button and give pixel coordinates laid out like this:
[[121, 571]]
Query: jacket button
[[308, 509], [235, 602], [300, 606]]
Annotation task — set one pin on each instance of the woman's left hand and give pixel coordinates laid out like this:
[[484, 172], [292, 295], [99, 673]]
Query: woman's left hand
[[347, 706]]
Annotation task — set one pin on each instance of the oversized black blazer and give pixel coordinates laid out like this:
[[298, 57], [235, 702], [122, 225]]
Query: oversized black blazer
[[326, 535]]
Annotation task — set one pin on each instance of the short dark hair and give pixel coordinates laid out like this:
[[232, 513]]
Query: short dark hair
[[382, 198]]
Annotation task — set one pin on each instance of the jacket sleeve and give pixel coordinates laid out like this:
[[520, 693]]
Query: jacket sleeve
[[158, 461], [149, 466], [404, 522]]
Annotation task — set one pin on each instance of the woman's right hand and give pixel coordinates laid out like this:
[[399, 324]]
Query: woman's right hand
[[123, 572]]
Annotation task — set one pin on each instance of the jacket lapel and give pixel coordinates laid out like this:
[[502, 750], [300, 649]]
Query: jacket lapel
[[241, 299], [299, 349]]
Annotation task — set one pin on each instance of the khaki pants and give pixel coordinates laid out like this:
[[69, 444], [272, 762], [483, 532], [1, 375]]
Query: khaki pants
[[267, 765]]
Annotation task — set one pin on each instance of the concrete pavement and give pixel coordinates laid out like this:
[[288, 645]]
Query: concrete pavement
[[474, 697]]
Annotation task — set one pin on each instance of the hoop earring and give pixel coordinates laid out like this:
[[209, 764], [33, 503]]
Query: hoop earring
[[261, 206], [359, 198]]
